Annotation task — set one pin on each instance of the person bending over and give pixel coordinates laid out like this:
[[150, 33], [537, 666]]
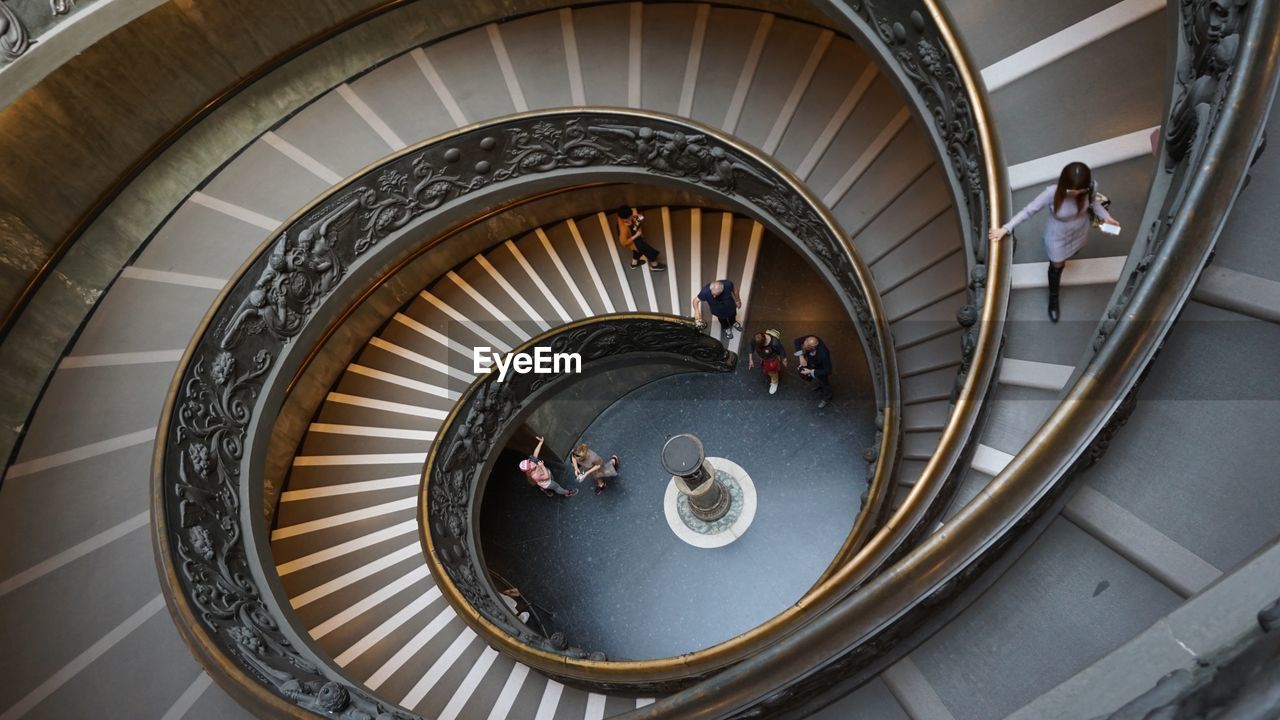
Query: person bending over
[[815, 365]]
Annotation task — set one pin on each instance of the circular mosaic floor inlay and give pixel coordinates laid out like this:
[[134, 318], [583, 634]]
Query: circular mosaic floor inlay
[[742, 509]]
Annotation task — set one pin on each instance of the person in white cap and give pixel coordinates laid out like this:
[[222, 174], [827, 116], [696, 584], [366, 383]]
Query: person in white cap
[[537, 473]]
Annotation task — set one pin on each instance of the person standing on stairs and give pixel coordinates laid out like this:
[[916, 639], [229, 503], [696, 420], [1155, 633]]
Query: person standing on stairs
[[537, 473], [768, 347], [722, 297], [1073, 202], [815, 365], [631, 237]]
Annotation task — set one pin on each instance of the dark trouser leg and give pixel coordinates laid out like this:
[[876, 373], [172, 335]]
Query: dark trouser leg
[[824, 387], [645, 250], [726, 325], [1055, 282]]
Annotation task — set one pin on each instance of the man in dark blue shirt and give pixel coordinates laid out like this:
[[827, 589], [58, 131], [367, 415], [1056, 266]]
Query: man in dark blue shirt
[[722, 297], [815, 364]]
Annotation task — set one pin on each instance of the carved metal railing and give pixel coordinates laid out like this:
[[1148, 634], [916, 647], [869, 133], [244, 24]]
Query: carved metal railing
[[918, 48], [483, 420], [1208, 47], [30, 20], [209, 534], [1226, 80]]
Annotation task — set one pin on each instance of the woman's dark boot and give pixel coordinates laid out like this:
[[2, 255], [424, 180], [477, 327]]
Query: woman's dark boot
[[1055, 281]]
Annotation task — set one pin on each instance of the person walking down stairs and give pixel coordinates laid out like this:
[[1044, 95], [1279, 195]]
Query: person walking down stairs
[[631, 237], [722, 297], [1075, 201]]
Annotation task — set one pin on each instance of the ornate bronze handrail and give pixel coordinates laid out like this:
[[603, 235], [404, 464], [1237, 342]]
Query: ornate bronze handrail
[[209, 535], [1231, 105], [919, 48]]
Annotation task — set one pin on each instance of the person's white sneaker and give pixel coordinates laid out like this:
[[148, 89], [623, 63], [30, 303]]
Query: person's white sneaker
[[773, 388]]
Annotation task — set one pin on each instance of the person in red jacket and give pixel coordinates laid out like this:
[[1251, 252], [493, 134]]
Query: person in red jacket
[[768, 347]]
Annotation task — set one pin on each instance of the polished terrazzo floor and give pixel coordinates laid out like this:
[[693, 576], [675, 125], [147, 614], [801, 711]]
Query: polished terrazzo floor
[[609, 572]]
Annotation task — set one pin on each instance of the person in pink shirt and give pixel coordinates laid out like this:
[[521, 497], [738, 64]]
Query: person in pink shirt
[[537, 473]]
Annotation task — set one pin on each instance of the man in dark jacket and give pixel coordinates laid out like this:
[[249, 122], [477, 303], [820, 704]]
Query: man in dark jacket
[[722, 297], [815, 364]]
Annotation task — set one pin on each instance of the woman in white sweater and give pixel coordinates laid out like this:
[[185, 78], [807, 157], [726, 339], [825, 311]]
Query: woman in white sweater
[[1070, 204]]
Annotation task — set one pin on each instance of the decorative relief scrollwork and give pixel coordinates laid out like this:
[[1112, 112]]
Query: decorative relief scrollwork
[[927, 63], [546, 146], [209, 426], [300, 272], [313, 255], [935, 82], [15, 35], [280, 293], [1211, 33], [1210, 39], [465, 447], [14, 40]]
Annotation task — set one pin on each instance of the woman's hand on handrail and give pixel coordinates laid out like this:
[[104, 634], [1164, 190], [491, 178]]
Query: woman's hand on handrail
[[998, 233]]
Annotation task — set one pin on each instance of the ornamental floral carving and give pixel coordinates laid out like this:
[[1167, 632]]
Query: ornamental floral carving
[[15, 37], [1210, 37], [935, 76], [1211, 33], [209, 431], [14, 40]]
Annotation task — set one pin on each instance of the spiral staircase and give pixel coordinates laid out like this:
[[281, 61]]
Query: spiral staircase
[[340, 536], [1172, 531]]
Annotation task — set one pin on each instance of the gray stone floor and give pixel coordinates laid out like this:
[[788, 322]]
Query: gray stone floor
[[609, 566]]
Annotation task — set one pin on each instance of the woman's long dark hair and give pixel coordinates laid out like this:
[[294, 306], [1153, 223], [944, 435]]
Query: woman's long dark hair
[[1075, 176]]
